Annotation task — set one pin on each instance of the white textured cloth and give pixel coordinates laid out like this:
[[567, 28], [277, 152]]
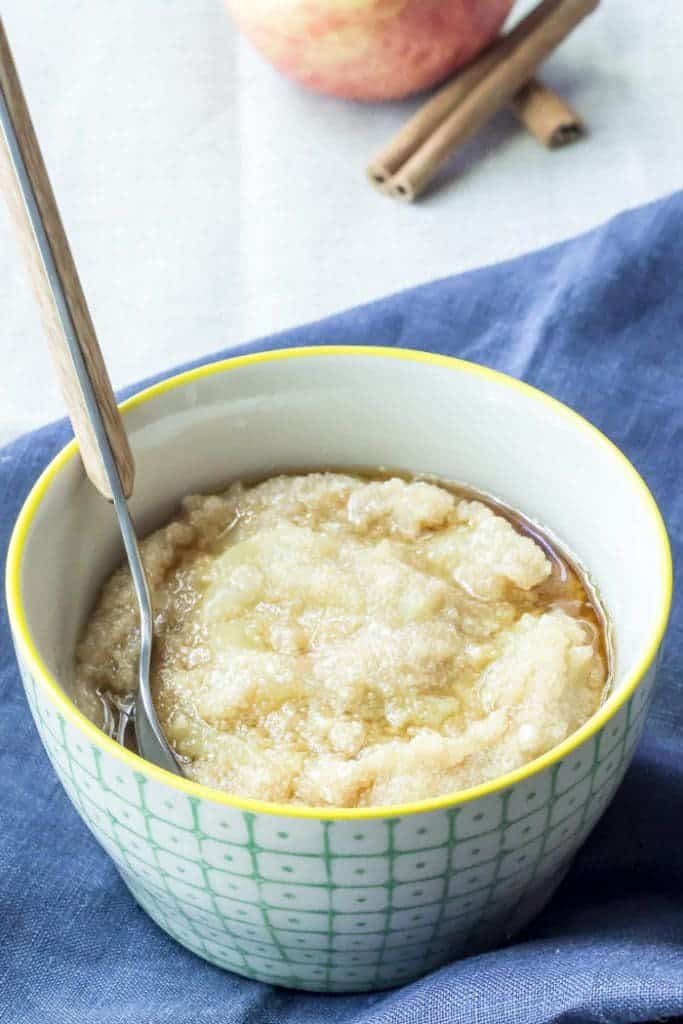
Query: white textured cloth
[[209, 201]]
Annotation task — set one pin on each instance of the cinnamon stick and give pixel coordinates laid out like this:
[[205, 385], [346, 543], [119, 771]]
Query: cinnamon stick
[[428, 117], [542, 111], [546, 115], [545, 28]]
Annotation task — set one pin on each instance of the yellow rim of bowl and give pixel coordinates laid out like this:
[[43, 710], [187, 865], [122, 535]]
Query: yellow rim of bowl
[[134, 761]]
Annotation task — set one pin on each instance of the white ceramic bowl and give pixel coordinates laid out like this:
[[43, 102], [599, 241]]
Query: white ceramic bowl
[[351, 899]]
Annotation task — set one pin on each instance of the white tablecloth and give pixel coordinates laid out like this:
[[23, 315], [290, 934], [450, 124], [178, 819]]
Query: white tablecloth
[[209, 201]]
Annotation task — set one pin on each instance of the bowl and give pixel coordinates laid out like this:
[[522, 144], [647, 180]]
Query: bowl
[[350, 899]]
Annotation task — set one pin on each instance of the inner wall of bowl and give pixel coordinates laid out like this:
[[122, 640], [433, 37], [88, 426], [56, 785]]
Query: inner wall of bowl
[[352, 410]]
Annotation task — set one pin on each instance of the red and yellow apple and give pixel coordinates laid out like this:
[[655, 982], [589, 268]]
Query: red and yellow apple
[[369, 49]]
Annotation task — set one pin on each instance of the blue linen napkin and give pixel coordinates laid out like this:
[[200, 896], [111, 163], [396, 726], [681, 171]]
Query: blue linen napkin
[[597, 322]]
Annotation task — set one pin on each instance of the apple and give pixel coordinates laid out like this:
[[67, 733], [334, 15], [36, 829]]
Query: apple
[[369, 49]]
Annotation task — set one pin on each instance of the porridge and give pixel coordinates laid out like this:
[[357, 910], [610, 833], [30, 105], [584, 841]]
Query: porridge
[[336, 639]]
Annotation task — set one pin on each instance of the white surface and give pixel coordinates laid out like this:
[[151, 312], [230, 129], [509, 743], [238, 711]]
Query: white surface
[[208, 201]]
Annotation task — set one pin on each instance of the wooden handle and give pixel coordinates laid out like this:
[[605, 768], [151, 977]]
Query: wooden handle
[[74, 300]]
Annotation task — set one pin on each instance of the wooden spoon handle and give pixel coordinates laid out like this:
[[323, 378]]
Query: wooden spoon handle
[[56, 283]]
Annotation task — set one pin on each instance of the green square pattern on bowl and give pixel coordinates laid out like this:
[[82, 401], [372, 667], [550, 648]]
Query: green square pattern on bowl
[[340, 905]]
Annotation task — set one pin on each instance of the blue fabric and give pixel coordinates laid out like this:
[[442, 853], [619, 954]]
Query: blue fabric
[[597, 322]]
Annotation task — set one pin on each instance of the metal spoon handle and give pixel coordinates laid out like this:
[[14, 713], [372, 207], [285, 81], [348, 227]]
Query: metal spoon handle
[[73, 343]]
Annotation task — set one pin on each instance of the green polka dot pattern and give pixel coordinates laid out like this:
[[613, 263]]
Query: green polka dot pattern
[[339, 905]]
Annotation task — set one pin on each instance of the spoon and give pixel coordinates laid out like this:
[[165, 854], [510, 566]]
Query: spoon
[[94, 415]]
